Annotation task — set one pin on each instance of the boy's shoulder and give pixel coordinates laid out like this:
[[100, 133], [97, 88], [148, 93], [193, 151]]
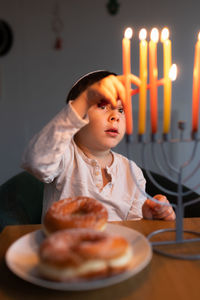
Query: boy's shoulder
[[120, 156], [128, 166], [125, 160]]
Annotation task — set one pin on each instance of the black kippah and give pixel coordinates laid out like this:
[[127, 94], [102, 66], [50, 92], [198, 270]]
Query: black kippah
[[86, 81]]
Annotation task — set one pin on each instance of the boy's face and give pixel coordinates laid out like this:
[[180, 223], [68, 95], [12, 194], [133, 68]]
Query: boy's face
[[106, 126]]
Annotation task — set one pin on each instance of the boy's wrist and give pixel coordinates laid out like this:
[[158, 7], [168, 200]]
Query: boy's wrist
[[80, 104]]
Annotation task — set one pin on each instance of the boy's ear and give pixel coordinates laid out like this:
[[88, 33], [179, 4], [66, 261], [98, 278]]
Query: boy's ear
[[86, 81]]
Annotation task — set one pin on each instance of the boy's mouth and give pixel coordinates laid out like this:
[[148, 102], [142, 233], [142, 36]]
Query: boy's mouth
[[112, 131]]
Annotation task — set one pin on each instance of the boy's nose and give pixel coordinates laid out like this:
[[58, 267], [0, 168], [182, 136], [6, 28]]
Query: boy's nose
[[114, 116]]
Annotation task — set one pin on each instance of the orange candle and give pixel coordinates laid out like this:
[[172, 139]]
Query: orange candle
[[153, 75], [143, 85], [196, 87], [167, 61], [126, 72]]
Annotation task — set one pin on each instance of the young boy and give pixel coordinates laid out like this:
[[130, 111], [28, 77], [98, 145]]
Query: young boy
[[72, 154]]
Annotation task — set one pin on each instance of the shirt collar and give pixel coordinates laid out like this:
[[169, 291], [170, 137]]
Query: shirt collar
[[93, 162]]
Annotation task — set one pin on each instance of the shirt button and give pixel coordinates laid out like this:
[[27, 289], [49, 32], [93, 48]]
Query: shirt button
[[94, 163], [98, 185], [96, 173]]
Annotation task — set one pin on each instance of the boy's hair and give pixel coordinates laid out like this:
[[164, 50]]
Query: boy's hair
[[84, 82]]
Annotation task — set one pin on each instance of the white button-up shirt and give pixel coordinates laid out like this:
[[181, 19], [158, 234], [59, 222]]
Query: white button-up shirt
[[54, 158]]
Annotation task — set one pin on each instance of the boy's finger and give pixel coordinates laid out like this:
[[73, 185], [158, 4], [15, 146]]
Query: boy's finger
[[150, 203], [121, 95], [110, 96], [160, 198], [167, 214], [133, 79], [118, 87]]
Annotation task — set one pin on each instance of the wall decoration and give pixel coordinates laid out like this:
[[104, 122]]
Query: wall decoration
[[57, 27], [6, 38]]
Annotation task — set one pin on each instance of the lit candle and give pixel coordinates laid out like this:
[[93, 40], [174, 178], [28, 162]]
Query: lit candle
[[167, 61], [126, 71], [153, 75], [173, 72], [143, 78], [196, 87]]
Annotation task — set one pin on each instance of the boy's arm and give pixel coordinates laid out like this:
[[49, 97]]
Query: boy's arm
[[44, 155], [135, 211]]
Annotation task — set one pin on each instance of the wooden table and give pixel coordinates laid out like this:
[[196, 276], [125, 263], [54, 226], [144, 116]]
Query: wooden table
[[163, 278]]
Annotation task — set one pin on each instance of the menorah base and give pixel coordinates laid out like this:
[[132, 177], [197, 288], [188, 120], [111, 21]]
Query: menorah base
[[179, 249]]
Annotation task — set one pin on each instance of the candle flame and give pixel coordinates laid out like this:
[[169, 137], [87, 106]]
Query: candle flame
[[154, 35], [199, 36], [173, 72], [143, 34], [164, 34], [128, 33]]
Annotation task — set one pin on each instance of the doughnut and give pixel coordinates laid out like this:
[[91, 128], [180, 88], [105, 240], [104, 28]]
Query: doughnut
[[83, 254], [81, 212]]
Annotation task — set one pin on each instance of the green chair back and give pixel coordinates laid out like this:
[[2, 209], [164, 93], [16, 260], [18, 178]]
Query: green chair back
[[21, 200]]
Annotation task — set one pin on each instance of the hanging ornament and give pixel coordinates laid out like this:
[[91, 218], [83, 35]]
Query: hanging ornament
[[58, 43], [57, 27], [113, 7]]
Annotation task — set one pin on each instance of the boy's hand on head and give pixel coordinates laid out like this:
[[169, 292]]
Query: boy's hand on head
[[153, 210], [109, 89]]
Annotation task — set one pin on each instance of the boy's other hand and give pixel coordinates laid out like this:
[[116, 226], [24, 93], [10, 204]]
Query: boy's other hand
[[153, 210]]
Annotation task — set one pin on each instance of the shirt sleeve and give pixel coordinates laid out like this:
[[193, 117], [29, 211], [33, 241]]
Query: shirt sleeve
[[44, 155], [135, 211]]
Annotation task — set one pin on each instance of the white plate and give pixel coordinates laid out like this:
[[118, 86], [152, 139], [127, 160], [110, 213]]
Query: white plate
[[22, 260]]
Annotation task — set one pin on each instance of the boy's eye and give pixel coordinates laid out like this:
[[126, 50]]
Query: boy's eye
[[102, 104], [121, 110]]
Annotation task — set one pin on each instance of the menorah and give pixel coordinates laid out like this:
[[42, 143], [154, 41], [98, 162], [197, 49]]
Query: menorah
[[180, 194], [178, 172]]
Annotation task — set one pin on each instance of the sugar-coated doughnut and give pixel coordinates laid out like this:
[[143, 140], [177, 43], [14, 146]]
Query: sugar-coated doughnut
[[77, 254], [81, 212]]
